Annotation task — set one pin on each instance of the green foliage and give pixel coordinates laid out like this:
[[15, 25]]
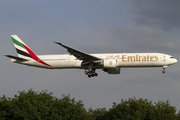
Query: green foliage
[[33, 105], [178, 116], [163, 110], [140, 109], [41, 106], [97, 114]]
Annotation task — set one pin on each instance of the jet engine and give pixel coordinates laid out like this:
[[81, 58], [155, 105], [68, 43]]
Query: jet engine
[[112, 70], [110, 63]]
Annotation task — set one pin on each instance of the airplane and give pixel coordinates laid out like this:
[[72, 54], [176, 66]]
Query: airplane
[[108, 62]]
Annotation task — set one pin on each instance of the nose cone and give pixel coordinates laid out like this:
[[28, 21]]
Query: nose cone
[[175, 60]]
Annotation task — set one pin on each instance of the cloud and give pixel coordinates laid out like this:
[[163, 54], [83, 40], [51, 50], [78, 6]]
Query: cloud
[[174, 75], [13, 2], [4, 2], [155, 45], [133, 31], [160, 13], [145, 38], [142, 79], [147, 30]]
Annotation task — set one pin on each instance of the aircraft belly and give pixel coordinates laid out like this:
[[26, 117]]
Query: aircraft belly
[[140, 64]]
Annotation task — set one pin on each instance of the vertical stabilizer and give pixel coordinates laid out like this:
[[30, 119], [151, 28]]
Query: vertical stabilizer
[[24, 51], [20, 47]]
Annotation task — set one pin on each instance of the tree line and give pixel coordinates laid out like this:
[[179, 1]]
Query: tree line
[[42, 105]]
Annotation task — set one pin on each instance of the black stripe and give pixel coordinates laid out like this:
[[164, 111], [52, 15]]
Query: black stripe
[[23, 53]]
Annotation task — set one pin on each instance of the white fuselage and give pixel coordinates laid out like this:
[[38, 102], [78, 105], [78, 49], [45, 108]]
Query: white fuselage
[[108, 62], [113, 60]]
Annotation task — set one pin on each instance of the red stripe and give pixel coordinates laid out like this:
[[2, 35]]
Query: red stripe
[[33, 55]]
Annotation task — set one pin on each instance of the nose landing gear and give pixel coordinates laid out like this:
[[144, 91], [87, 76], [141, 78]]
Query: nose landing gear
[[163, 70], [90, 73], [164, 67]]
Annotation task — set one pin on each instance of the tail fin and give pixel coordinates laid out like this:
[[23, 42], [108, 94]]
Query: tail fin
[[24, 51], [21, 47]]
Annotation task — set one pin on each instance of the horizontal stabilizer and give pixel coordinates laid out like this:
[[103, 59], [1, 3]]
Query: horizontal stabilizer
[[16, 58]]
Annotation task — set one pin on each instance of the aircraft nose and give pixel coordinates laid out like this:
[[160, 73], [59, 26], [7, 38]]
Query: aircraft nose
[[175, 61]]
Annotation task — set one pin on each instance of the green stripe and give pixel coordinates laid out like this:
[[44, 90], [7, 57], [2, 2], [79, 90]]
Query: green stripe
[[17, 43]]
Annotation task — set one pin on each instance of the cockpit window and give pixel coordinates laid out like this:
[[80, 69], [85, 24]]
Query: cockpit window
[[171, 57]]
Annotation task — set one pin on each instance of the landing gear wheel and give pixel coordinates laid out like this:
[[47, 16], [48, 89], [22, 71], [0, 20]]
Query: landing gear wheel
[[164, 67], [90, 72], [95, 74], [89, 76], [86, 72]]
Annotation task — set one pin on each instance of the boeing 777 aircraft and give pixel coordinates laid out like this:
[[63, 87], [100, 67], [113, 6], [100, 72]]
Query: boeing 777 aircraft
[[108, 62]]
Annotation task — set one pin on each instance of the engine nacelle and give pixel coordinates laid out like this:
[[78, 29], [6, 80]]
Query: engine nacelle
[[110, 63], [112, 70]]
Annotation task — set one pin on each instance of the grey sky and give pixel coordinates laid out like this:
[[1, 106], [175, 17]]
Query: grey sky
[[93, 27]]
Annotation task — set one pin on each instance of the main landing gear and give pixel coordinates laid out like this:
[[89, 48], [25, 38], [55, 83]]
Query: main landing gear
[[164, 67], [90, 73]]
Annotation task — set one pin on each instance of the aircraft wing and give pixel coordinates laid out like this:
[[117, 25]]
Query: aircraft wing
[[86, 58]]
